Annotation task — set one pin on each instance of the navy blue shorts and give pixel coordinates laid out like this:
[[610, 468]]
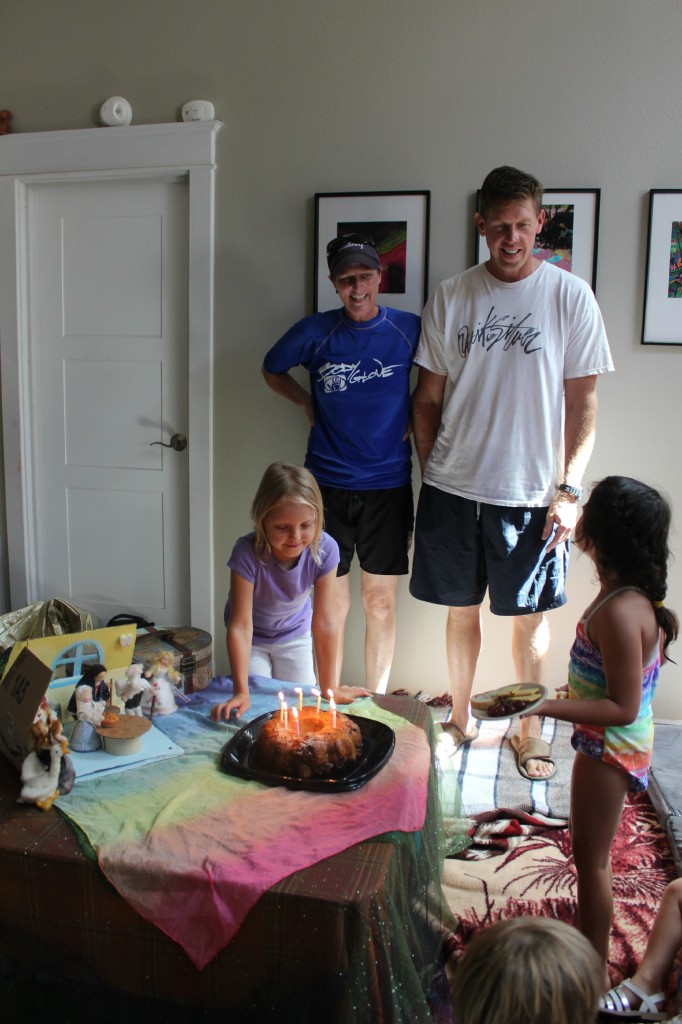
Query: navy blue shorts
[[463, 548], [377, 524]]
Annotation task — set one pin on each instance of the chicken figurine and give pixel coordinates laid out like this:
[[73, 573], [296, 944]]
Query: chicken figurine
[[46, 771]]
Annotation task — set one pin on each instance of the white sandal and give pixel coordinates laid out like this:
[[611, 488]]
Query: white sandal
[[617, 1003]]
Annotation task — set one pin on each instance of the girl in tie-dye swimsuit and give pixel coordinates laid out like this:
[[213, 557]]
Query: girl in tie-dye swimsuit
[[626, 746], [614, 664]]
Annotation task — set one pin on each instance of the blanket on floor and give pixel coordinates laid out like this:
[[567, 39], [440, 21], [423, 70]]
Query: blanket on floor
[[489, 781], [192, 849]]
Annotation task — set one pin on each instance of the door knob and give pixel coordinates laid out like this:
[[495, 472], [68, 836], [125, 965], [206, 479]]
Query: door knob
[[178, 443]]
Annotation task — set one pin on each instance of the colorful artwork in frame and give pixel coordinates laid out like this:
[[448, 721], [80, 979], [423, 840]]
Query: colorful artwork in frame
[[397, 222], [675, 266], [555, 241], [662, 317], [569, 235]]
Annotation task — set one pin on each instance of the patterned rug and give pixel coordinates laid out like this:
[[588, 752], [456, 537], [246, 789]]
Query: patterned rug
[[509, 852], [538, 876], [533, 874]]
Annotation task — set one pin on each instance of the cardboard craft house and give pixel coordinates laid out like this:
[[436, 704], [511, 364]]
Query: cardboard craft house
[[52, 666]]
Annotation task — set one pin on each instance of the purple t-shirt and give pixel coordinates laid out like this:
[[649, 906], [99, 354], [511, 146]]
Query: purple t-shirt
[[282, 609]]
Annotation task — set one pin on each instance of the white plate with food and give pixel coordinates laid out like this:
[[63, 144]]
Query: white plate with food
[[508, 701]]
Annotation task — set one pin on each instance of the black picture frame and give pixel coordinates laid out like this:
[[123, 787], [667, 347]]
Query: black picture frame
[[662, 312]]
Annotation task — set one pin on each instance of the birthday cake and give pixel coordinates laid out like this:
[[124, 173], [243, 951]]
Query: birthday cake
[[324, 744]]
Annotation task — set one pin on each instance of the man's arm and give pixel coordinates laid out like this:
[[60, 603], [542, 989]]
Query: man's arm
[[427, 410], [285, 385], [579, 427], [580, 422]]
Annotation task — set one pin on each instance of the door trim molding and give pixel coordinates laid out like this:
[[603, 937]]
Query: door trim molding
[[163, 152]]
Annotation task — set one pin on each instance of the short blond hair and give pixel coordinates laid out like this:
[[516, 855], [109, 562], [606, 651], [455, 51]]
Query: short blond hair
[[528, 970], [283, 481]]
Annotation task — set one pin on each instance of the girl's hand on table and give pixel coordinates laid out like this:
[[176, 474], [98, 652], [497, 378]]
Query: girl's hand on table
[[347, 694], [239, 704]]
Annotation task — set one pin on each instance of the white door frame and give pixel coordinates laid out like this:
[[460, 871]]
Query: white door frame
[[163, 152]]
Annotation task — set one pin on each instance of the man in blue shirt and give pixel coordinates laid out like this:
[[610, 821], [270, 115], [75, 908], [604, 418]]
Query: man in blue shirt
[[359, 359]]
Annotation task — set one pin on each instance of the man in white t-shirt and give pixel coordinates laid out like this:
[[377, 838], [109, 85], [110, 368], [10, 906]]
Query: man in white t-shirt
[[504, 423]]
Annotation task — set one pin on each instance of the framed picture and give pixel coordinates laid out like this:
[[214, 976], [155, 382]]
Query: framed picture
[[569, 235], [662, 321], [398, 222]]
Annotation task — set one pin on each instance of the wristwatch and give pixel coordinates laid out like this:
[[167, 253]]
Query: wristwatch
[[577, 492]]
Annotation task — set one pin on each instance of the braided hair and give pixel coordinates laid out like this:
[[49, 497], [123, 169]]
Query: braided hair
[[626, 523]]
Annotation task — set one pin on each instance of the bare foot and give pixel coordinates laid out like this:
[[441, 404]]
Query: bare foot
[[539, 769], [533, 757]]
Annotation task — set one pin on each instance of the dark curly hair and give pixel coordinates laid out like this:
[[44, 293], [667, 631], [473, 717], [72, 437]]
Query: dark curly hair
[[626, 523]]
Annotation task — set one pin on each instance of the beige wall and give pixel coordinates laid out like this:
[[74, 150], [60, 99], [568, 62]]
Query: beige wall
[[397, 94]]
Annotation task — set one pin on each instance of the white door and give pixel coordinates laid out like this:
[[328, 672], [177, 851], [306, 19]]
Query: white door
[[128, 383], [109, 368]]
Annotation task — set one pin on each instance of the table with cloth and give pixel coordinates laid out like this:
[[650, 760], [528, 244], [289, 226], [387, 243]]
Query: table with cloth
[[280, 904]]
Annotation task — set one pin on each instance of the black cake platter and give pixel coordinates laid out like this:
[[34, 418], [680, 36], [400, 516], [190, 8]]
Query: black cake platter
[[378, 742]]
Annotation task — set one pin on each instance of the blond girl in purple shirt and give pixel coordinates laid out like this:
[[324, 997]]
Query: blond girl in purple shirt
[[273, 625]]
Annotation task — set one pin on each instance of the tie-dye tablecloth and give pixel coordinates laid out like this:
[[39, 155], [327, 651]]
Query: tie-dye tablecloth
[[193, 849]]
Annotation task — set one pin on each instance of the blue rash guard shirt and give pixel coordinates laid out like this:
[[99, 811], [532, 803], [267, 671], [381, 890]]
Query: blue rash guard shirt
[[360, 386]]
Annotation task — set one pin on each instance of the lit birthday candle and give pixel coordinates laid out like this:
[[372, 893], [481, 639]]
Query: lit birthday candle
[[282, 706], [317, 693], [297, 726], [299, 691], [332, 708]]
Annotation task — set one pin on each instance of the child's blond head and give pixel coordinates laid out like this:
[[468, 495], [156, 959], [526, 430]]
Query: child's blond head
[[528, 970], [285, 482]]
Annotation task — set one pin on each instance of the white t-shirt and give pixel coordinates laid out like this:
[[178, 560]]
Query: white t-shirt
[[506, 349]]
